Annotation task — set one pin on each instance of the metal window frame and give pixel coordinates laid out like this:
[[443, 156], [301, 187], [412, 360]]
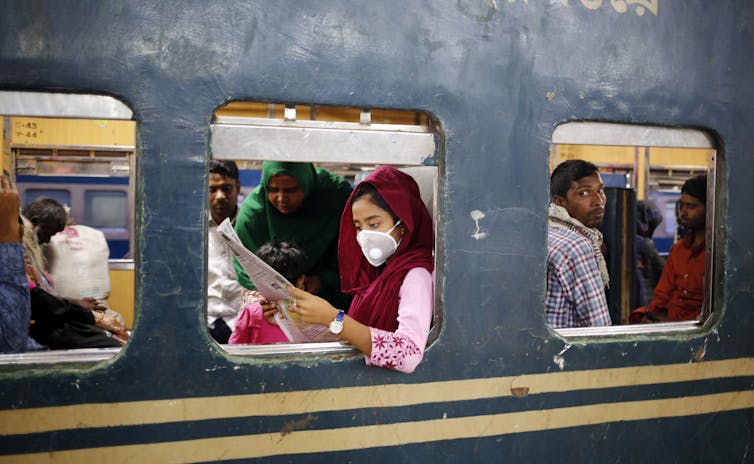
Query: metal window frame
[[62, 105], [335, 142], [619, 134]]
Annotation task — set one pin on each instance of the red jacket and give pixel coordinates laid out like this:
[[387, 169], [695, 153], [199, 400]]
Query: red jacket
[[681, 287]]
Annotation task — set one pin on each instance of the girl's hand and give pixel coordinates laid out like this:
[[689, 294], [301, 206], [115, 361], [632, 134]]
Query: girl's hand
[[268, 311], [311, 308]]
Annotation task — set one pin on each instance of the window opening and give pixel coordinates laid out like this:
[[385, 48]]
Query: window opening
[[346, 142], [642, 166], [78, 150]]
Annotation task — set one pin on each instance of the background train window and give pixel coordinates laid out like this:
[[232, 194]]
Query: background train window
[[643, 169], [32, 194], [105, 209], [348, 142], [80, 151]]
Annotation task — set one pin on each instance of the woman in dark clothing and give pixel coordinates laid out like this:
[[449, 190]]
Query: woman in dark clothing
[[649, 261], [299, 203], [61, 323]]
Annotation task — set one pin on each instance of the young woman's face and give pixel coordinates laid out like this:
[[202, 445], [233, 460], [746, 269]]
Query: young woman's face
[[285, 193], [368, 216]]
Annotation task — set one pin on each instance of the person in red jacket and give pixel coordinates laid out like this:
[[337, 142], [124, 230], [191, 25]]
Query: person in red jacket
[[680, 292]]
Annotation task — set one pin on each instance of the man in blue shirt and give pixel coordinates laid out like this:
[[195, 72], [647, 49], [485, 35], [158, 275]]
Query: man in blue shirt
[[576, 269], [15, 311]]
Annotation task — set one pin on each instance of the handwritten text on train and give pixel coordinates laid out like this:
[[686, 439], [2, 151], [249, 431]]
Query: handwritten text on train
[[621, 6]]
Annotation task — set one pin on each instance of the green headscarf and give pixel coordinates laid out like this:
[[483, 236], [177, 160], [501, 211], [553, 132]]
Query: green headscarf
[[314, 227]]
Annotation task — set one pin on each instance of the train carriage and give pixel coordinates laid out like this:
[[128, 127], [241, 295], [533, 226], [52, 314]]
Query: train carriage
[[499, 83]]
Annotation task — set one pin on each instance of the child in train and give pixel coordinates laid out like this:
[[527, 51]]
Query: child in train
[[385, 253], [251, 327]]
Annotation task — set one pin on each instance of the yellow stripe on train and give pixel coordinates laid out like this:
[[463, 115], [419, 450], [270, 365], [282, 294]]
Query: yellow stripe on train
[[354, 438], [34, 420]]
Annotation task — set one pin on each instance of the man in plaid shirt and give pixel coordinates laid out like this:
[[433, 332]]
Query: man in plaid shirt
[[576, 269]]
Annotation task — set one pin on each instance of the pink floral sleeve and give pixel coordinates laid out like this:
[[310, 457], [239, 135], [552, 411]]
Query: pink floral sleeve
[[403, 349]]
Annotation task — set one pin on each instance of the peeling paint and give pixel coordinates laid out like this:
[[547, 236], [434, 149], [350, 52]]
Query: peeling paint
[[477, 215], [520, 392], [558, 359], [700, 352], [300, 424], [481, 10]]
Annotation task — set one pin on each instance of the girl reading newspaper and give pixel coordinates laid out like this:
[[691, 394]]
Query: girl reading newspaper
[[385, 255]]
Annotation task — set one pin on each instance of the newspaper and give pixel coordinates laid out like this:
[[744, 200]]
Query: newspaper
[[272, 286]]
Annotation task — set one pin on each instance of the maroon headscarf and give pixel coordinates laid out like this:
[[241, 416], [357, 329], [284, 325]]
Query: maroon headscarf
[[376, 289]]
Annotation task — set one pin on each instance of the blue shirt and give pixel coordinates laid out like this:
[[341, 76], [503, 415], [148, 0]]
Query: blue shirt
[[575, 292], [15, 309]]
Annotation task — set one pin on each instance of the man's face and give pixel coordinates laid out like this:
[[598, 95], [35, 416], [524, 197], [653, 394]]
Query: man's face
[[585, 200], [223, 196], [693, 213]]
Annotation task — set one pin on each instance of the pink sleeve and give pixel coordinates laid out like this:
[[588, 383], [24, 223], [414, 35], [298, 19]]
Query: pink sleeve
[[243, 330], [403, 349]]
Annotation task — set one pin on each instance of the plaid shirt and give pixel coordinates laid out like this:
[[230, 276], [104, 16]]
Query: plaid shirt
[[575, 292]]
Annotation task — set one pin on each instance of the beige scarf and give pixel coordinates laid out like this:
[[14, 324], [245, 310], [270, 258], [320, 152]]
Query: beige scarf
[[560, 219]]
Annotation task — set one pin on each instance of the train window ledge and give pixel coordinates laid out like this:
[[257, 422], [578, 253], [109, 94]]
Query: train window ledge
[[80, 357], [288, 349], [621, 331], [304, 350]]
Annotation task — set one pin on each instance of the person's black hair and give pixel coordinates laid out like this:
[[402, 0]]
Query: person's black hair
[[696, 187], [46, 212], [648, 217], [227, 168], [567, 172], [285, 257], [365, 188]]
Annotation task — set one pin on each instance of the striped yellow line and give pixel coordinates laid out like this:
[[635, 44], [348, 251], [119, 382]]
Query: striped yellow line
[[32, 420], [344, 439]]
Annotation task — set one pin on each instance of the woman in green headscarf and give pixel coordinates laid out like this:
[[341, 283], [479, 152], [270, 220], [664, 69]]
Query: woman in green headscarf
[[300, 203]]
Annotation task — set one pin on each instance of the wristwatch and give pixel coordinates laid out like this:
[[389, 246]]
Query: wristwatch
[[336, 326]]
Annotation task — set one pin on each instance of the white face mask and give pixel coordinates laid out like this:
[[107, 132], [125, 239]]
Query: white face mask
[[377, 246]]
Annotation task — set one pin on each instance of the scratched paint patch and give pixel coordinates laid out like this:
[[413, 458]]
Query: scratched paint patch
[[189, 47], [559, 359], [481, 10], [477, 216]]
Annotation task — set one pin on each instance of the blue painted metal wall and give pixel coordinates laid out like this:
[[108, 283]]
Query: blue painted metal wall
[[498, 76]]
